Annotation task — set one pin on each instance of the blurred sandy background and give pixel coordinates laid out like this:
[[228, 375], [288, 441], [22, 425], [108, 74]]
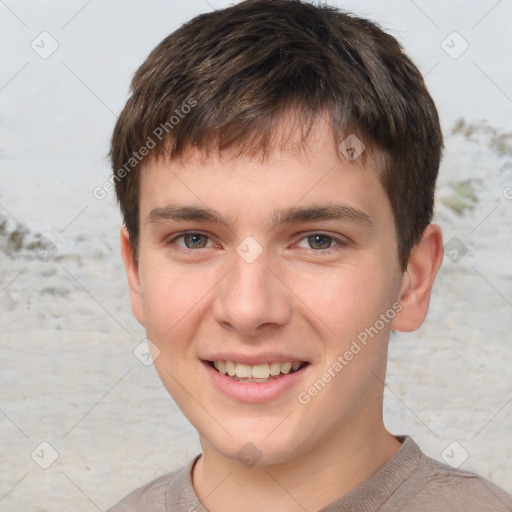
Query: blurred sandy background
[[69, 377]]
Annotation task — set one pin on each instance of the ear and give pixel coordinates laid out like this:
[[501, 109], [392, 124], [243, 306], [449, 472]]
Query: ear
[[132, 272], [417, 281]]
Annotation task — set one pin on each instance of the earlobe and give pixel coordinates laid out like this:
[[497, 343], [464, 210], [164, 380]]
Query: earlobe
[[424, 262], [132, 273]]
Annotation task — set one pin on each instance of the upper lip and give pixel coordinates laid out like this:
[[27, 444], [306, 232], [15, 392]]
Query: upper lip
[[262, 358]]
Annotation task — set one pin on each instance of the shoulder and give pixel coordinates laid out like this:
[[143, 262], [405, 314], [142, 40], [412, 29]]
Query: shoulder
[[434, 486], [148, 498]]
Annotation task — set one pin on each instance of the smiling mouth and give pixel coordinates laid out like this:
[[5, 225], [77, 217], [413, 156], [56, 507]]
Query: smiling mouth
[[258, 373]]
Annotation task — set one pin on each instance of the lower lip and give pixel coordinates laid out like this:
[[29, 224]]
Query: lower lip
[[252, 391]]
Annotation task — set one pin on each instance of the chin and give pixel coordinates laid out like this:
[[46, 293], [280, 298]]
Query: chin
[[251, 452], [255, 442]]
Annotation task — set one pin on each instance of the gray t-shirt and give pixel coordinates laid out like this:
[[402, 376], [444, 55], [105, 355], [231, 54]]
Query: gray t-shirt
[[408, 482]]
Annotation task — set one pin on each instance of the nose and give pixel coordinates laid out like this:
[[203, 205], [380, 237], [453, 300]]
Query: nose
[[252, 297]]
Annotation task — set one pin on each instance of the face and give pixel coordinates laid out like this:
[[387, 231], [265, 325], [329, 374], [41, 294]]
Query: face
[[252, 267]]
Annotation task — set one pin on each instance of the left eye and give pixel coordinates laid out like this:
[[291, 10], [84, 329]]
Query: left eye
[[321, 241]]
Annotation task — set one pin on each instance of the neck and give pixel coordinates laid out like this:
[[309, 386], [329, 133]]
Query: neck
[[309, 481]]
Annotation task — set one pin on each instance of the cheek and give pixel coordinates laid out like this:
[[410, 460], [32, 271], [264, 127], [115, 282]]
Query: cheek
[[345, 300], [171, 300], [173, 305]]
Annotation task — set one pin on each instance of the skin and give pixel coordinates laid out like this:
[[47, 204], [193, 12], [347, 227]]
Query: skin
[[302, 296]]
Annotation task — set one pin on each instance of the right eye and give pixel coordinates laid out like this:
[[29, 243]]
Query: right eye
[[191, 240]]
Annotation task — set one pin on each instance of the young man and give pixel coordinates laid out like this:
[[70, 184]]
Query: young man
[[275, 166]]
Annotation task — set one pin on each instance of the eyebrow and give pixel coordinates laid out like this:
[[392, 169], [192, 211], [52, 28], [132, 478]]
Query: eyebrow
[[322, 212], [186, 213], [292, 215]]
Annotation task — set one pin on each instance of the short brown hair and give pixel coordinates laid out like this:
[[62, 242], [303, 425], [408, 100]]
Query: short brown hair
[[224, 79]]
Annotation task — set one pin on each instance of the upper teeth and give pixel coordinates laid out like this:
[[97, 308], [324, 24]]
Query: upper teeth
[[257, 371]]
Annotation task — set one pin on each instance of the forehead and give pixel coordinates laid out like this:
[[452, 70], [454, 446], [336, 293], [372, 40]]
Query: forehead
[[292, 133], [296, 171]]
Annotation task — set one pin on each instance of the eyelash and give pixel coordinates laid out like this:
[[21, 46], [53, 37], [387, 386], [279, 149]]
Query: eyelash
[[340, 243]]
